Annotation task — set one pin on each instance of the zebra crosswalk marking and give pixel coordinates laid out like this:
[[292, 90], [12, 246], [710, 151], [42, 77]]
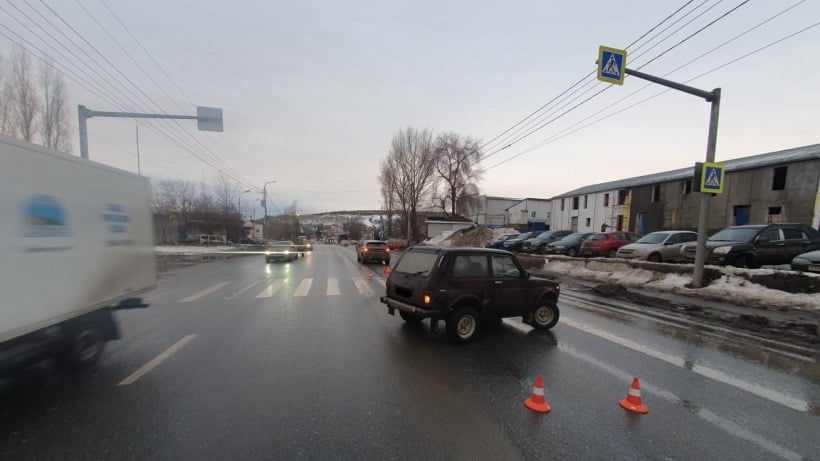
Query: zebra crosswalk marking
[[271, 289], [333, 287], [303, 288]]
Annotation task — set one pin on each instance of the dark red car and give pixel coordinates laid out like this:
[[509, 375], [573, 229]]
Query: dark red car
[[607, 243]]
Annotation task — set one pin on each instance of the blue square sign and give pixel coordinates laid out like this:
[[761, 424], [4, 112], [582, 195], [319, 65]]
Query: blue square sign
[[611, 65]]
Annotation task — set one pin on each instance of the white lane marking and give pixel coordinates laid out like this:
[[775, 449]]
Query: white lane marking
[[242, 290], [361, 285], [711, 373], [303, 288], [203, 293], [156, 361], [271, 289], [717, 420], [333, 287]]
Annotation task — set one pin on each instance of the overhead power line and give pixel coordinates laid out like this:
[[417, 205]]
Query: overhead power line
[[566, 133], [576, 106], [504, 144]]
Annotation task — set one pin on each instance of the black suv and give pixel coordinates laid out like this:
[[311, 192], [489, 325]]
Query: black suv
[[757, 244], [468, 286]]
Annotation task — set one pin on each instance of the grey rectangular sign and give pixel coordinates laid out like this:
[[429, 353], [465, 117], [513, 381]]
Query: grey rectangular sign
[[209, 119]]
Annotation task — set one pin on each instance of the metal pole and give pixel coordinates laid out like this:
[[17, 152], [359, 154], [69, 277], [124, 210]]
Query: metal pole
[[703, 216], [137, 125], [82, 113]]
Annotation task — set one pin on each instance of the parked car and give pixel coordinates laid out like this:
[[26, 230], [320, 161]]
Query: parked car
[[658, 246], [499, 242], [537, 244], [569, 245], [467, 287], [515, 243], [396, 244], [607, 243], [281, 250], [372, 250], [754, 245], [807, 262]]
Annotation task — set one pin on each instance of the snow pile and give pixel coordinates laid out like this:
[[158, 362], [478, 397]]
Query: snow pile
[[190, 250], [440, 240], [730, 287]]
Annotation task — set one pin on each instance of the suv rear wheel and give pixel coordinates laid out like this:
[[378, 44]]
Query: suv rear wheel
[[545, 316], [463, 324]]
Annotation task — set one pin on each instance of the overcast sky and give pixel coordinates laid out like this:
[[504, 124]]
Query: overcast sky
[[312, 92]]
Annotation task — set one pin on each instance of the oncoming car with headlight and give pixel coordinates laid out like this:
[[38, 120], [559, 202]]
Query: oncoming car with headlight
[[281, 250]]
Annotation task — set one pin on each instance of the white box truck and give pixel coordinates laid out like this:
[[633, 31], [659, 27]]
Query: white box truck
[[76, 243]]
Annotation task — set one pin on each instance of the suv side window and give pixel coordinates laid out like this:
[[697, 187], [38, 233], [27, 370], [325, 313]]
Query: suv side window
[[674, 239], [504, 267], [773, 234], [470, 267], [687, 237], [793, 234]]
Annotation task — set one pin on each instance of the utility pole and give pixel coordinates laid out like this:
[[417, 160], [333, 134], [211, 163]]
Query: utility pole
[[265, 205], [612, 69]]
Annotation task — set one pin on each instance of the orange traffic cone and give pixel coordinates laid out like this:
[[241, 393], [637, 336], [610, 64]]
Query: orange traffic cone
[[537, 402], [388, 270], [633, 401], [370, 277]]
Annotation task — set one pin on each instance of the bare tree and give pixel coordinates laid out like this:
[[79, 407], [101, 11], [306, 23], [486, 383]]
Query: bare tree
[[457, 161], [411, 158], [6, 126], [54, 127], [387, 178], [24, 101]]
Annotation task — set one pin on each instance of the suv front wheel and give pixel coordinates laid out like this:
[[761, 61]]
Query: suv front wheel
[[463, 324], [545, 316]]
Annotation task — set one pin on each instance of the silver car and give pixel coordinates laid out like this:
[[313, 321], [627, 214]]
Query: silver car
[[658, 246]]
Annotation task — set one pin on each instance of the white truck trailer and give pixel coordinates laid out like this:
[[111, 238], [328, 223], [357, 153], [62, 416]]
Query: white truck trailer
[[76, 244]]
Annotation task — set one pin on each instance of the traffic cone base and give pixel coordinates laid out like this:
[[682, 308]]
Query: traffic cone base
[[536, 402], [633, 401], [387, 270]]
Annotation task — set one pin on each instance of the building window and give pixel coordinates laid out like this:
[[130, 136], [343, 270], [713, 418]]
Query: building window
[[589, 222], [606, 199], [574, 203], [687, 186], [779, 180], [622, 197], [562, 204], [774, 215], [775, 209], [656, 193], [533, 214], [619, 224], [586, 200]]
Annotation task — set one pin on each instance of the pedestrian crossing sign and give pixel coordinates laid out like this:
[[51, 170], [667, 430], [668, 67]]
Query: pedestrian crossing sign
[[711, 178], [611, 65]]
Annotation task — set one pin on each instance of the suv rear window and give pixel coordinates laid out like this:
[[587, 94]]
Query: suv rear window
[[376, 245], [419, 262]]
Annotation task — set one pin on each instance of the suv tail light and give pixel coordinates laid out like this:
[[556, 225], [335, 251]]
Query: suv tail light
[[427, 297]]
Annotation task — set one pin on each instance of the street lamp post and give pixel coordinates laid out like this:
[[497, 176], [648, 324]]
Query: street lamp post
[[265, 204], [241, 219]]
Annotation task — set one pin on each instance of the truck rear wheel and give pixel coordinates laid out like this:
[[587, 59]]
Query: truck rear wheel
[[463, 324], [82, 348], [545, 316]]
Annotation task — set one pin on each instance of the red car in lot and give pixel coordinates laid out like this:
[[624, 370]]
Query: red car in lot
[[607, 243]]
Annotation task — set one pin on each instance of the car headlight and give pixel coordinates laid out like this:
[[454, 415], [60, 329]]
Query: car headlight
[[722, 250]]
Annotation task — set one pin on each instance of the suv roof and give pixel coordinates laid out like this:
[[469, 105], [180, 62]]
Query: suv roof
[[447, 250]]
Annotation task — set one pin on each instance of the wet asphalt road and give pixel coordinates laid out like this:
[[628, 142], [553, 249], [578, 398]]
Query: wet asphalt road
[[300, 360]]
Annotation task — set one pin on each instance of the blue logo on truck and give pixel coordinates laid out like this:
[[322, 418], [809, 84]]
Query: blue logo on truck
[[116, 218], [44, 217]]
